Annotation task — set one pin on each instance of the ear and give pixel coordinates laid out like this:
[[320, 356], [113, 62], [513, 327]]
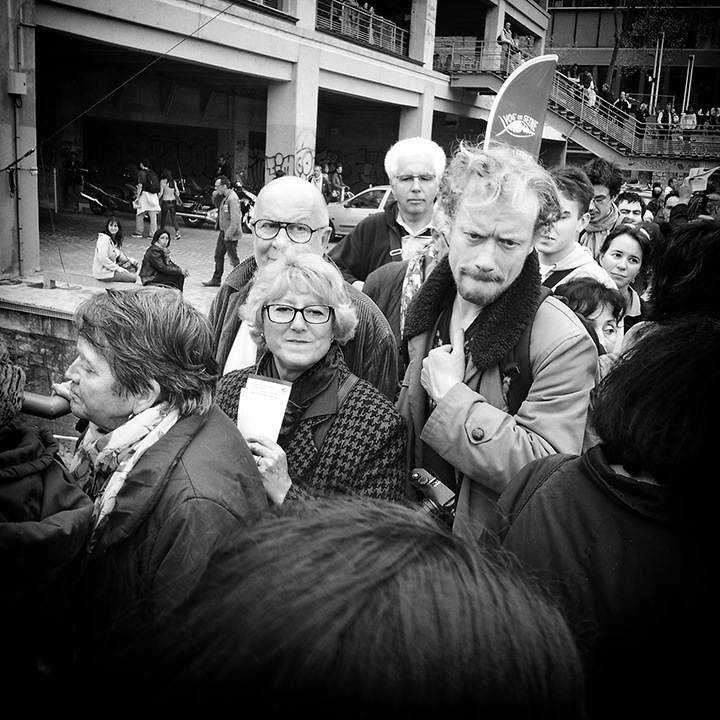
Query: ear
[[147, 398], [583, 222]]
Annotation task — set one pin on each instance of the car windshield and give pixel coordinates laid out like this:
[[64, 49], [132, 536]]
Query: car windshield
[[370, 199]]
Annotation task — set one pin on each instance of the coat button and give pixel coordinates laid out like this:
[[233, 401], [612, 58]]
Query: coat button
[[477, 434]]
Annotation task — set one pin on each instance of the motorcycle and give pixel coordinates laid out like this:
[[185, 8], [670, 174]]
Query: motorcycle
[[109, 199], [196, 204], [248, 199]]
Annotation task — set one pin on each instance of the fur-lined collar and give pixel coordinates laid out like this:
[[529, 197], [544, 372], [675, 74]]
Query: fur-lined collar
[[500, 324]]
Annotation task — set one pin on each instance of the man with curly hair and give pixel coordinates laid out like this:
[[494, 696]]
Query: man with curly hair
[[470, 425]]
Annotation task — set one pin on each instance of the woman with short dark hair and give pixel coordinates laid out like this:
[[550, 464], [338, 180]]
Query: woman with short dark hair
[[168, 472]]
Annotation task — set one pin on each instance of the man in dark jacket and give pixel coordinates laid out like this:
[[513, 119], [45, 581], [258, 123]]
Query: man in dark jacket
[[414, 166]]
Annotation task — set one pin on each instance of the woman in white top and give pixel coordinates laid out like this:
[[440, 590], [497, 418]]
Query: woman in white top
[[169, 200], [110, 263]]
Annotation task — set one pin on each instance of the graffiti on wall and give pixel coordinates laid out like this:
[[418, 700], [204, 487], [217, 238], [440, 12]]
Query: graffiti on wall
[[361, 168]]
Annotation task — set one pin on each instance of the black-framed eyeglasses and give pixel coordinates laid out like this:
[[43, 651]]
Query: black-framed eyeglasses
[[285, 314], [297, 232]]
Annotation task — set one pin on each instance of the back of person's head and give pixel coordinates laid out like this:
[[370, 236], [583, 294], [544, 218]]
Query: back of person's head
[[658, 410], [604, 172], [352, 608], [499, 174], [414, 146], [573, 183], [685, 272]]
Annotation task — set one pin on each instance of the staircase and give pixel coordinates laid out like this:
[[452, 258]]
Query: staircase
[[602, 129]]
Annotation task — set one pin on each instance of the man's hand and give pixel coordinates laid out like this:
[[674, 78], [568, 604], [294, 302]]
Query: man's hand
[[444, 367]]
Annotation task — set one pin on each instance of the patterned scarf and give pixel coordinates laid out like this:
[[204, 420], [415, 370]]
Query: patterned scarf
[[595, 233], [103, 460], [417, 269]]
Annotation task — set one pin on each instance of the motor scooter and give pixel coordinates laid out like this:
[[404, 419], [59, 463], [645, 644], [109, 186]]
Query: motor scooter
[[196, 205], [248, 199], [104, 199]]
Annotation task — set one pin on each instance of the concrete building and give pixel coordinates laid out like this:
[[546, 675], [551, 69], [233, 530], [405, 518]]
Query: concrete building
[[274, 84], [277, 84]]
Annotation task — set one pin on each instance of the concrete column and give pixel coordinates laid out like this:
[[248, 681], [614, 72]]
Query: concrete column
[[422, 31], [19, 235], [292, 119], [417, 122]]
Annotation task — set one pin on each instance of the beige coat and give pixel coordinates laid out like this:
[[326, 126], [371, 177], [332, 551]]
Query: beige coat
[[473, 431]]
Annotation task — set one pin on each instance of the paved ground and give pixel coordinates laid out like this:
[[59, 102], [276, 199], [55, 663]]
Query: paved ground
[[67, 241]]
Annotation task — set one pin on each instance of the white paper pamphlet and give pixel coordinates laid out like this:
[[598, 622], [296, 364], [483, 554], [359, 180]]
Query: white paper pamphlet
[[262, 406]]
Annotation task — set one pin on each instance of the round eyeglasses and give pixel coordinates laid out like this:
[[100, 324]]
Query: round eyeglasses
[[285, 314], [297, 232]]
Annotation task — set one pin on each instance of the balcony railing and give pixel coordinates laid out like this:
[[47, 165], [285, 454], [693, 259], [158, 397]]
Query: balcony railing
[[356, 23], [479, 58]]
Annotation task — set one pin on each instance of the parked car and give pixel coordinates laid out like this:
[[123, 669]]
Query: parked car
[[346, 215]]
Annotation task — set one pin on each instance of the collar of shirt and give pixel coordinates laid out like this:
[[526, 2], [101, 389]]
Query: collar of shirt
[[413, 241]]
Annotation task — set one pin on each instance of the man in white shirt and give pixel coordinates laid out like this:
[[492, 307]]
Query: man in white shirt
[[562, 257]]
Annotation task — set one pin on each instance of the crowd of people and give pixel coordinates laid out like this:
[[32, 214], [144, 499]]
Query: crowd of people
[[495, 399]]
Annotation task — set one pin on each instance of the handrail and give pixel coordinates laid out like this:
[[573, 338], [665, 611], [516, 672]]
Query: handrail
[[602, 119], [353, 21], [49, 407]]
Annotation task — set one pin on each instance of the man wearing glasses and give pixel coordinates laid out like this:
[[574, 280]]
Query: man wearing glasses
[[414, 166], [606, 178], [290, 211], [230, 225]]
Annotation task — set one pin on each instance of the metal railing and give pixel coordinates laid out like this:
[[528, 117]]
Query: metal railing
[[622, 130], [355, 22], [593, 114], [479, 58]]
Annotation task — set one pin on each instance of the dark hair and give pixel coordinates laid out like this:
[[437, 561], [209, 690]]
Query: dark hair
[[145, 161], [354, 608], [585, 296], [631, 197], [639, 234], [118, 239], [158, 233], [166, 174], [604, 172], [223, 180], [658, 409], [575, 184], [685, 272], [153, 334]]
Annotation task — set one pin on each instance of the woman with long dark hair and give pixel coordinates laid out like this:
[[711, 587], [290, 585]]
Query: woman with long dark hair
[[110, 263], [169, 200]]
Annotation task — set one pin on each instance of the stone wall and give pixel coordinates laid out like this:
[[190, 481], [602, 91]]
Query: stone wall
[[43, 344]]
